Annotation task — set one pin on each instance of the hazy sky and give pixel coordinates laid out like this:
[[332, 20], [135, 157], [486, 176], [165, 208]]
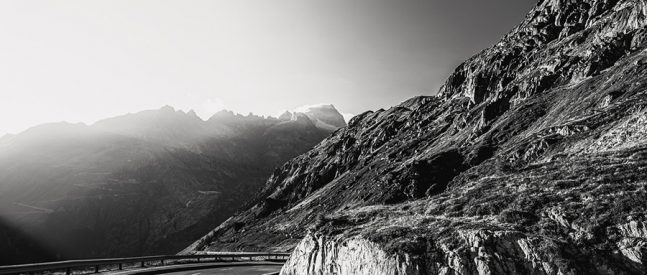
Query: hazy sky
[[83, 60]]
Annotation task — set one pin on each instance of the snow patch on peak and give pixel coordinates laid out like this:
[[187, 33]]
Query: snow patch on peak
[[308, 108], [325, 116]]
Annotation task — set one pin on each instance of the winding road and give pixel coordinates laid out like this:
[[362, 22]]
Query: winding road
[[244, 268], [237, 270]]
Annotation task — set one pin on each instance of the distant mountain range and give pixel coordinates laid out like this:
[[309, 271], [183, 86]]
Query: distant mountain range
[[143, 183]]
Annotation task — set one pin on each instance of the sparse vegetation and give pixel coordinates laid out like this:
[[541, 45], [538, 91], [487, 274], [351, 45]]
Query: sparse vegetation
[[524, 171]]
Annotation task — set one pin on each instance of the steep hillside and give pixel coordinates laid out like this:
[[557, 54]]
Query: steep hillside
[[144, 183], [531, 160]]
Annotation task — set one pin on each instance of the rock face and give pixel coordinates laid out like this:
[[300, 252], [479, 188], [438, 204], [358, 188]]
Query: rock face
[[318, 255], [144, 183], [530, 160]]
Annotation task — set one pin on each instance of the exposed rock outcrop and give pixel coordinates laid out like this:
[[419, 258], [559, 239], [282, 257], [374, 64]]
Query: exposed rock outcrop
[[318, 255], [530, 160]]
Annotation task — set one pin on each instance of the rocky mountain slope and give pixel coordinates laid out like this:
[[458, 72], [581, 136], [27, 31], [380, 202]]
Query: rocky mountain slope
[[144, 183], [531, 160]]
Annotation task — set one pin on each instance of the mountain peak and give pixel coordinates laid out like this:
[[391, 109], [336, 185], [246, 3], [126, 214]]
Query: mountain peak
[[324, 116], [287, 115], [167, 108], [192, 113], [302, 118], [224, 115]]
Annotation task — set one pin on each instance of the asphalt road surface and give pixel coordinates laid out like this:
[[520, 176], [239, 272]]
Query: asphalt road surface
[[231, 270]]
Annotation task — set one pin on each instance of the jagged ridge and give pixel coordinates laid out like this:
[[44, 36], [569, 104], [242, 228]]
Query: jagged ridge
[[529, 161]]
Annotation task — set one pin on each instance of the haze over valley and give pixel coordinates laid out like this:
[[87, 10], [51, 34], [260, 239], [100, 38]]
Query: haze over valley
[[472, 137], [140, 184]]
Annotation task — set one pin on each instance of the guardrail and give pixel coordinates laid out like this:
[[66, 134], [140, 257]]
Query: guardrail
[[95, 265]]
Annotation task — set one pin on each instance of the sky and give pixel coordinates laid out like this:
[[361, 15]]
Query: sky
[[82, 60]]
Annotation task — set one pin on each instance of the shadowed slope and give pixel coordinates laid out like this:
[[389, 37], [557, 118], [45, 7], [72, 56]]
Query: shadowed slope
[[144, 183]]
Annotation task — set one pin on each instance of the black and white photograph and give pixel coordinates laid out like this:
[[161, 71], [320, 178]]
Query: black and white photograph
[[323, 137]]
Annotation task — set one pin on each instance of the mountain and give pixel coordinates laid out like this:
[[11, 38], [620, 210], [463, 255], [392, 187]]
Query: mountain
[[323, 116], [165, 126], [143, 183], [530, 160]]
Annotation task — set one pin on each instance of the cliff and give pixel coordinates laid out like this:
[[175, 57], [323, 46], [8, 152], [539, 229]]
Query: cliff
[[530, 160]]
